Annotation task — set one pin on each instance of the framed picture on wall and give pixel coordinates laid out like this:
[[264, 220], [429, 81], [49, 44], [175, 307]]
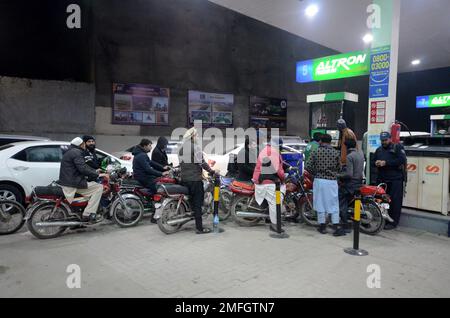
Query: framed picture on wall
[[268, 112], [140, 104], [211, 108]]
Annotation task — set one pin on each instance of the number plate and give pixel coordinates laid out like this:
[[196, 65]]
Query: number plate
[[385, 205]]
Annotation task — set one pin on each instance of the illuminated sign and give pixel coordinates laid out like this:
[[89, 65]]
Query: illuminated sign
[[334, 67], [442, 100]]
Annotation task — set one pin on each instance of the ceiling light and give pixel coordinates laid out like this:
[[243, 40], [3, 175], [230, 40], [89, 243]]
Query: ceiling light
[[368, 38], [312, 10], [415, 62]]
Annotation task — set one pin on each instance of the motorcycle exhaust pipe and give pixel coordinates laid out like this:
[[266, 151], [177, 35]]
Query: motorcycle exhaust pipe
[[246, 214], [178, 221], [50, 224]]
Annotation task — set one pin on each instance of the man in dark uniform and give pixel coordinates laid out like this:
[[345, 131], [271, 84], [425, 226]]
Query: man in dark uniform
[[390, 160]]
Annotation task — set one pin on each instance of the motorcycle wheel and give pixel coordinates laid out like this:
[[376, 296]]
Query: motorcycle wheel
[[129, 218], [12, 216], [372, 221], [241, 203], [307, 212], [225, 205], [168, 213], [43, 212]]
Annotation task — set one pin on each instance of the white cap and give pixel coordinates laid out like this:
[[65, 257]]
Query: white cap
[[191, 132], [77, 141]]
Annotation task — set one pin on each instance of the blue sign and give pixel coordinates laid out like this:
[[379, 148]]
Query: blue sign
[[374, 141], [422, 101], [379, 74], [305, 71]]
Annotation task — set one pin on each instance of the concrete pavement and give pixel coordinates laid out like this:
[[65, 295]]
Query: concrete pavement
[[241, 262]]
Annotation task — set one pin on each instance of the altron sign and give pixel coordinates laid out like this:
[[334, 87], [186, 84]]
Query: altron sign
[[441, 100], [334, 67]]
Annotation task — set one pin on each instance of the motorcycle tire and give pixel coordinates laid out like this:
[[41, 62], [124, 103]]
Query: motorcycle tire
[[38, 214], [120, 215], [235, 206], [372, 221], [12, 216], [167, 214], [308, 215]]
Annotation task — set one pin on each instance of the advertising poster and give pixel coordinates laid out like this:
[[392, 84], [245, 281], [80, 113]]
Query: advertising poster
[[379, 72], [140, 104], [268, 112], [211, 108]]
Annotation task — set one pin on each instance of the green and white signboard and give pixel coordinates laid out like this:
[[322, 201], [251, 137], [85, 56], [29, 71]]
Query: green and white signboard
[[433, 101], [334, 67]]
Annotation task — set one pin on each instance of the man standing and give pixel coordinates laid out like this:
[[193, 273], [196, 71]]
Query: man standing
[[390, 160], [191, 163], [312, 146], [351, 180], [344, 134], [324, 165], [73, 176], [246, 160]]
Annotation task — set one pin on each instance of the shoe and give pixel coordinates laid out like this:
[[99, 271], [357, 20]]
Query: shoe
[[347, 228], [267, 221], [390, 226], [273, 229], [153, 220], [322, 229], [203, 231], [92, 218], [338, 231]]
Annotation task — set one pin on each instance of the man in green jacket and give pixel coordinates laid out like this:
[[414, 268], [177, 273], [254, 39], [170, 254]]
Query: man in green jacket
[[313, 145]]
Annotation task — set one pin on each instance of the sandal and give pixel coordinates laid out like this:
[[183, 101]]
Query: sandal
[[204, 231]]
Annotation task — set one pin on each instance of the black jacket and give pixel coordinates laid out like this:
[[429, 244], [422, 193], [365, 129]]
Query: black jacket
[[92, 161], [144, 169], [159, 154], [395, 158], [192, 162], [246, 163], [74, 171]]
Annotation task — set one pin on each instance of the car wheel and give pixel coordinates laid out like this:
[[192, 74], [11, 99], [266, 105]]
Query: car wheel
[[10, 192]]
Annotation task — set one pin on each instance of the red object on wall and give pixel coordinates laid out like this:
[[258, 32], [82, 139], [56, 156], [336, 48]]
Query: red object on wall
[[395, 133]]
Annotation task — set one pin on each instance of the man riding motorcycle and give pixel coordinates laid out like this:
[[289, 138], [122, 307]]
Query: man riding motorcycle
[[73, 176]]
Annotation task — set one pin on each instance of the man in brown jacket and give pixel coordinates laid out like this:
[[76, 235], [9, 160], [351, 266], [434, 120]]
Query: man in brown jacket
[[345, 133]]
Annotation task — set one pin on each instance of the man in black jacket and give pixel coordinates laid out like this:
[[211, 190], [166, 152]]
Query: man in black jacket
[[89, 154], [192, 164], [145, 170], [73, 176], [159, 154], [246, 160], [390, 160]]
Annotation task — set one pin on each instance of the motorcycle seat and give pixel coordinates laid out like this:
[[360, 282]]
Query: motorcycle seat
[[246, 185], [131, 183], [53, 191], [173, 189]]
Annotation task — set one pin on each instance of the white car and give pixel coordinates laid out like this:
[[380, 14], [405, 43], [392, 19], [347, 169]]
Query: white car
[[220, 162], [24, 165]]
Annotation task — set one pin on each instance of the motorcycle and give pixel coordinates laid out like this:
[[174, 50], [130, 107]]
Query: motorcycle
[[175, 209], [12, 216], [247, 212], [50, 214], [225, 198], [375, 203]]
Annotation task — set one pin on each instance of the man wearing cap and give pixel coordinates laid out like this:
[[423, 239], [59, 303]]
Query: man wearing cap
[[89, 154], [191, 163], [344, 134], [73, 176], [390, 160]]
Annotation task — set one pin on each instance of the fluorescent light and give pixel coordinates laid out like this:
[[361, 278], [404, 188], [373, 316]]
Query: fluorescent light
[[415, 62], [312, 10], [368, 38]]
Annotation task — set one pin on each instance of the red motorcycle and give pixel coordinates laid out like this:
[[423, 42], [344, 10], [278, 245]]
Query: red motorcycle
[[247, 212], [374, 207], [50, 214]]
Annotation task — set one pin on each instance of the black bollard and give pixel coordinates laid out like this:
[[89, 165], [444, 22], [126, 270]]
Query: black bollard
[[279, 233], [356, 223]]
